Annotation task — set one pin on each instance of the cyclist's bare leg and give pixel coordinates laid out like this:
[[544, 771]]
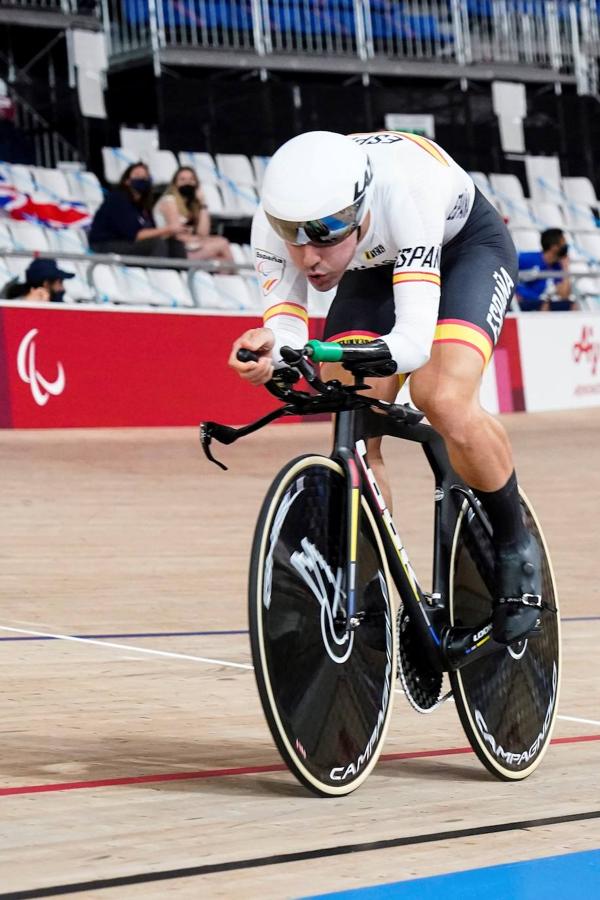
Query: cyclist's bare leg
[[446, 389], [383, 389]]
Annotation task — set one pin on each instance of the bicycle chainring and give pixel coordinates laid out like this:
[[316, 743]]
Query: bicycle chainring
[[422, 684]]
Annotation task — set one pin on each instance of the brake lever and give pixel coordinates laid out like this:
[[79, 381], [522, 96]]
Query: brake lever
[[207, 432]]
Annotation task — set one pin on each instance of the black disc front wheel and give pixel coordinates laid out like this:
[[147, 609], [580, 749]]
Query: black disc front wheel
[[326, 691], [507, 702]]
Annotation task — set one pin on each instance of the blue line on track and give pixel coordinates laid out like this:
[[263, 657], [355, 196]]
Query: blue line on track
[[163, 634], [109, 637], [567, 877]]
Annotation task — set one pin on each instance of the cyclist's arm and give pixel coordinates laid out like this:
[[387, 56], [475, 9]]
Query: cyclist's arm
[[416, 280], [283, 288]]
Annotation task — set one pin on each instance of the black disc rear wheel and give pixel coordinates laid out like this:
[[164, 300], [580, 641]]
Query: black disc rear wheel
[[327, 695], [507, 702]]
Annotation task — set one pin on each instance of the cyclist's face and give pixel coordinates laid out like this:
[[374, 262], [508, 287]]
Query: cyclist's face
[[324, 266]]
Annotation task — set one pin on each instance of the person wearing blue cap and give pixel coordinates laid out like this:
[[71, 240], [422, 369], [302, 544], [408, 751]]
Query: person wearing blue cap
[[43, 281]]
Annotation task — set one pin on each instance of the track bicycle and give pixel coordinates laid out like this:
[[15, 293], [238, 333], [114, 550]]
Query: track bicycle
[[326, 640]]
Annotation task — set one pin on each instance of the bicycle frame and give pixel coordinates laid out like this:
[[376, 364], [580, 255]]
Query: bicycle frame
[[446, 648]]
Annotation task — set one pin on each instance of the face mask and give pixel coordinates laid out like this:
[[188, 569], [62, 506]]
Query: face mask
[[187, 191], [141, 185], [57, 296], [563, 251]]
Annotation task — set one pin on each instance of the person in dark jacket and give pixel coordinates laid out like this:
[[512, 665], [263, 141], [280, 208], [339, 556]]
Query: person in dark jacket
[[43, 281], [124, 223]]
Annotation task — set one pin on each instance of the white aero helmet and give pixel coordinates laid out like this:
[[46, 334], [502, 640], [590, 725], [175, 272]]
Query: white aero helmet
[[316, 188]]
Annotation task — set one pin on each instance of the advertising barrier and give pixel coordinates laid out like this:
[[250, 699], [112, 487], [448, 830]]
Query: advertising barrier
[[560, 356], [91, 367]]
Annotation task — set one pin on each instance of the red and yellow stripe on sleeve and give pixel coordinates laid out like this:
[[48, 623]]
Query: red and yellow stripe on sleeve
[[286, 309], [426, 145], [456, 331], [412, 276]]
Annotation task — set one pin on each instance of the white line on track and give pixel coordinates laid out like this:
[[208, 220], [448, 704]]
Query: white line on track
[[148, 650], [204, 659], [576, 719]]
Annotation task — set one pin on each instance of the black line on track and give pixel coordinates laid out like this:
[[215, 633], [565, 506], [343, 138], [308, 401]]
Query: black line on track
[[301, 856]]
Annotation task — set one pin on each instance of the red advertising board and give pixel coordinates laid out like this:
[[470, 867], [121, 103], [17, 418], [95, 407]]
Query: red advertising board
[[91, 367], [64, 367]]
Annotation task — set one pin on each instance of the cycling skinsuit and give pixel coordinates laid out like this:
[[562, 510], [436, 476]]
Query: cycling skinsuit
[[436, 263]]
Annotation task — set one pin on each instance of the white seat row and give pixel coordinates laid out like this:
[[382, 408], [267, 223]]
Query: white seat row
[[16, 235], [138, 286], [55, 184], [571, 207], [230, 180]]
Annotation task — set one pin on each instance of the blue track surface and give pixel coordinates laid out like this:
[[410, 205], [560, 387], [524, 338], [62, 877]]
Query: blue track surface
[[575, 875]]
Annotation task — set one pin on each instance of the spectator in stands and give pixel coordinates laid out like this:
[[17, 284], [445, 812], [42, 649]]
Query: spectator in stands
[[43, 282], [183, 204], [124, 222], [546, 293]]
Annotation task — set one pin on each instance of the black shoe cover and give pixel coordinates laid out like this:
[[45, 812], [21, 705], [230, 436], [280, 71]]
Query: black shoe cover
[[518, 589]]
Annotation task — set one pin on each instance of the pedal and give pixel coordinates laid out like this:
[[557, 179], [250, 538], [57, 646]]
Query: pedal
[[421, 683]]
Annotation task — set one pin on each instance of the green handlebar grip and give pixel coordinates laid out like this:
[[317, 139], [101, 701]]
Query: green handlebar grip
[[324, 351]]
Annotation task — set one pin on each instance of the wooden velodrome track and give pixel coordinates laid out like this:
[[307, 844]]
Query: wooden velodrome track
[[135, 761]]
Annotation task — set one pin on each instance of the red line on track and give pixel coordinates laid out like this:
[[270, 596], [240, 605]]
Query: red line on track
[[242, 770]]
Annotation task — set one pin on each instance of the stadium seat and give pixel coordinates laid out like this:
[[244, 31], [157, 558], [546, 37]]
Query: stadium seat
[[548, 215], [107, 285], [86, 188], [202, 163], [77, 288], [15, 266], [21, 178], [233, 292], [169, 287], [580, 216], [239, 254], [517, 213], [67, 240], [114, 162], [53, 184], [507, 187], [29, 236], [204, 291], [238, 200], [259, 164], [483, 183], [212, 195], [135, 285], [526, 240], [6, 240], [590, 244], [237, 168], [162, 164], [256, 295], [580, 190]]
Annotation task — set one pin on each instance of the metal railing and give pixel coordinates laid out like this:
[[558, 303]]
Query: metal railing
[[561, 36], [128, 265], [586, 280]]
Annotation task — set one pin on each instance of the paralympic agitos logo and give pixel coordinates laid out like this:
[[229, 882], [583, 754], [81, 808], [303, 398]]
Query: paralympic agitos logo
[[41, 387], [586, 349]]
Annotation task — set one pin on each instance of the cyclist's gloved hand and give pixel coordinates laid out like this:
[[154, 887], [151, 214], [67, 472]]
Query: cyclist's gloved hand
[[369, 360]]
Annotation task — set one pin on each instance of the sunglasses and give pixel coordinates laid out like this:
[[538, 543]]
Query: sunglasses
[[325, 231]]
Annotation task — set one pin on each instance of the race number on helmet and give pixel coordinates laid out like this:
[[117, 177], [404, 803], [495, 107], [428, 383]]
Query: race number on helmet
[[316, 188]]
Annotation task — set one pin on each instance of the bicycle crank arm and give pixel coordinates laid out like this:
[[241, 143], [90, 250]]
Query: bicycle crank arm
[[462, 646]]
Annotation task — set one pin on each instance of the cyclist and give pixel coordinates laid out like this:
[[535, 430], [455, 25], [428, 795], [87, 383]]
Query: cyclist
[[424, 268]]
